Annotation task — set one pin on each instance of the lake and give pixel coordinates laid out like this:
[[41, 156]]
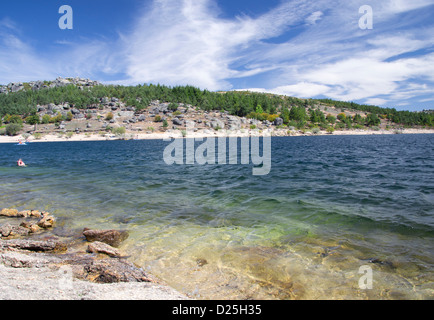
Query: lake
[[335, 213]]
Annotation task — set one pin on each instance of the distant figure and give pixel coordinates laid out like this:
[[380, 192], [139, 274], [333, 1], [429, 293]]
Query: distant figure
[[20, 163]]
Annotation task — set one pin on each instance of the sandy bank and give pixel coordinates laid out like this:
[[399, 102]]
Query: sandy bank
[[204, 134]]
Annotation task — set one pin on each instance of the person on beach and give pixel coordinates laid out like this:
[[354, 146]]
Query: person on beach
[[21, 163]]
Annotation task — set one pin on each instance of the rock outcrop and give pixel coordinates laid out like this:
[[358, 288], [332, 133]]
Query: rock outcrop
[[44, 221], [37, 85], [110, 237], [101, 263]]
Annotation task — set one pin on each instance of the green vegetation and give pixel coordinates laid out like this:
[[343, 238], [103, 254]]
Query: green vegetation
[[12, 129], [19, 106], [330, 130], [119, 131], [405, 118]]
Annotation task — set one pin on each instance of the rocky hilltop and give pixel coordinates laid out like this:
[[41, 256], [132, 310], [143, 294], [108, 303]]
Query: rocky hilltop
[[37, 85]]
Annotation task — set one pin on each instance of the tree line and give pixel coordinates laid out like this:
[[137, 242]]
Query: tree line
[[261, 106], [406, 118]]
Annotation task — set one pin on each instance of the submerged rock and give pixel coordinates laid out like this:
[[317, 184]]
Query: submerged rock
[[5, 230], [112, 271], [46, 221], [14, 213], [9, 213], [110, 237], [31, 245], [26, 227], [101, 247]]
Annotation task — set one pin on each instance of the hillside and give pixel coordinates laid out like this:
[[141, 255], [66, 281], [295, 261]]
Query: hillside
[[73, 105]]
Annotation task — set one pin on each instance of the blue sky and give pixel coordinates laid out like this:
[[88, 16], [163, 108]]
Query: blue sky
[[302, 48]]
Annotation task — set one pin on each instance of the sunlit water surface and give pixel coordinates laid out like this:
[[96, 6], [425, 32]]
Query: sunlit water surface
[[330, 205]]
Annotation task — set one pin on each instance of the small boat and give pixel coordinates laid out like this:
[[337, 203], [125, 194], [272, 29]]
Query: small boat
[[21, 144]]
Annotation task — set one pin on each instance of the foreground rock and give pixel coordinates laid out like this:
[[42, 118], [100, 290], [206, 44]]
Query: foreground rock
[[100, 247], [35, 246], [36, 276], [110, 237], [55, 269], [45, 221]]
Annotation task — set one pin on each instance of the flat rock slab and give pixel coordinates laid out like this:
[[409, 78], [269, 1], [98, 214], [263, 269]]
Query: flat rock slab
[[101, 247], [110, 237], [31, 245]]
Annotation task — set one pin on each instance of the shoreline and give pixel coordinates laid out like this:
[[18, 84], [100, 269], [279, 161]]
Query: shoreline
[[170, 134], [38, 264]]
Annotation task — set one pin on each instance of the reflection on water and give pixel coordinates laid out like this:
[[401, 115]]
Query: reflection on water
[[329, 206]]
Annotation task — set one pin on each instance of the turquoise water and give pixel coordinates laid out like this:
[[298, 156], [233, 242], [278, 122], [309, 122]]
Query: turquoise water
[[330, 205]]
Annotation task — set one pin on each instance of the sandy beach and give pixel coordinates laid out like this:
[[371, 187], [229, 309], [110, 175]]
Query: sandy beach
[[170, 134]]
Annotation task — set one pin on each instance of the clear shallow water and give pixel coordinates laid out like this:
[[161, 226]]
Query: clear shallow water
[[330, 205]]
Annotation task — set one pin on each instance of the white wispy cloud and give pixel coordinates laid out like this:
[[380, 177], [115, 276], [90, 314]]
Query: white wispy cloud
[[314, 17], [179, 42], [336, 59]]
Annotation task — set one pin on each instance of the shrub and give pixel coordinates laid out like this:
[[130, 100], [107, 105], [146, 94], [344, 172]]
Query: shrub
[[119, 130], [372, 120], [157, 119], [109, 116], [34, 119], [331, 119], [253, 126], [272, 117], [330, 130], [315, 130], [340, 125], [46, 119], [173, 106], [165, 124], [15, 119], [56, 119], [12, 129], [37, 135], [342, 116], [69, 116]]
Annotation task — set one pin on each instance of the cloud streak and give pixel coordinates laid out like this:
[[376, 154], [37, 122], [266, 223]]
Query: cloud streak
[[334, 58], [179, 42]]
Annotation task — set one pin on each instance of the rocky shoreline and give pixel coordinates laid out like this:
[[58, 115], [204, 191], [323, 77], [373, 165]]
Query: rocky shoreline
[[35, 264]]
